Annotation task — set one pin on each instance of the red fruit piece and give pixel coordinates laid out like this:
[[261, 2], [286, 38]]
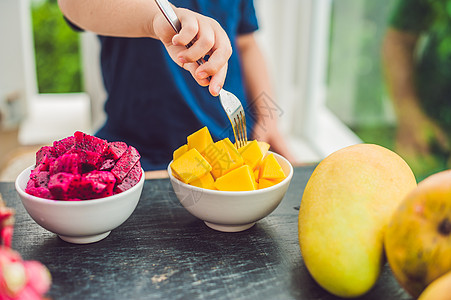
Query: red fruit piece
[[59, 185], [130, 180], [40, 179], [125, 163], [91, 143], [107, 164], [40, 192], [64, 145], [38, 277], [49, 151], [90, 148], [6, 223], [43, 165], [67, 163], [102, 183], [116, 149]]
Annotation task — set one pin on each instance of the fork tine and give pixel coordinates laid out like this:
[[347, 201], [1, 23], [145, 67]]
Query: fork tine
[[243, 127], [240, 131], [236, 133]]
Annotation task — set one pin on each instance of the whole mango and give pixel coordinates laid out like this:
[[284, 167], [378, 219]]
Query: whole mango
[[418, 238], [439, 289], [346, 206]]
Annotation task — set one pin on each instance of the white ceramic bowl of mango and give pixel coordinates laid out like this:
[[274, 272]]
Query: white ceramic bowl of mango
[[232, 211]]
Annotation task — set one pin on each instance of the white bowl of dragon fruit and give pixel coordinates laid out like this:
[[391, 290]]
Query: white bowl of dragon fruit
[[82, 187]]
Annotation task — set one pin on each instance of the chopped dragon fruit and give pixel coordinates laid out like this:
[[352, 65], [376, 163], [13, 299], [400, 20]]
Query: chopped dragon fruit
[[125, 163], [130, 180], [82, 167]]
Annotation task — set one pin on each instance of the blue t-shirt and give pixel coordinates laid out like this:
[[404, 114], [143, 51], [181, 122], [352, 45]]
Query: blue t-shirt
[[153, 104]]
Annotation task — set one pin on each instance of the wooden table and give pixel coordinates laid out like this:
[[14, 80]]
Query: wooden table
[[163, 252]]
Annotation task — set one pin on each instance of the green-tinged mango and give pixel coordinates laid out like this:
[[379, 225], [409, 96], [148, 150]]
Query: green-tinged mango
[[346, 206]]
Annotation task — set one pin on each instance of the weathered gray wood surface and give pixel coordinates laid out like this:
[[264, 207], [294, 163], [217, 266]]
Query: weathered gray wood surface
[[162, 252]]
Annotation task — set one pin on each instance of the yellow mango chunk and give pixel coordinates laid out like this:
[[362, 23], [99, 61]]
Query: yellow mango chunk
[[271, 169], [223, 157], [240, 179], [264, 147], [256, 174], [190, 166], [179, 151], [199, 140], [206, 182], [252, 154], [264, 183]]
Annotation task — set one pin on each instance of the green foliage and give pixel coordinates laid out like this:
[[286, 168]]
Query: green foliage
[[58, 62]]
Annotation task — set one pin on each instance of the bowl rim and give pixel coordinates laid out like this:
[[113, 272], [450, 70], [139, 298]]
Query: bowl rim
[[87, 202], [241, 193]]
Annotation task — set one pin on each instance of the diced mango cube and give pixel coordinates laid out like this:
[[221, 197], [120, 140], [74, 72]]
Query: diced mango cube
[[271, 169], [206, 182], [240, 179], [180, 151], [264, 183], [190, 166], [223, 157], [264, 147], [251, 154], [256, 174], [200, 139]]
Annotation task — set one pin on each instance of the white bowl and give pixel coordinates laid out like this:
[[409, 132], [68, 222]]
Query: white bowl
[[80, 222], [232, 211]]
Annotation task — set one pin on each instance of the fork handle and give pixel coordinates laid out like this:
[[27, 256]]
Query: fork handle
[[174, 21]]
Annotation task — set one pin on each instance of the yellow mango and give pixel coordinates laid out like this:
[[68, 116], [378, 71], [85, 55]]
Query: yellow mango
[[206, 182], [271, 169], [223, 157], [179, 151], [252, 154], [240, 179], [264, 147], [200, 139], [264, 183], [190, 166], [256, 173]]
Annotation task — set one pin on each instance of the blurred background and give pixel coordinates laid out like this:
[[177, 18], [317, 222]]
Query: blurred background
[[324, 57]]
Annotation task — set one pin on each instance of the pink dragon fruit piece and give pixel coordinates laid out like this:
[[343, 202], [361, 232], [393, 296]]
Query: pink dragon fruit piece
[[22, 280], [125, 163], [49, 151], [41, 192], [102, 183], [116, 149], [130, 180], [40, 179], [43, 165], [64, 145], [83, 189], [107, 164], [91, 143], [38, 276], [6, 223], [59, 185], [67, 163]]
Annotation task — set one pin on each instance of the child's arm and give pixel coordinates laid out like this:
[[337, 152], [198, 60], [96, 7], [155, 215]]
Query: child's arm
[[142, 18]]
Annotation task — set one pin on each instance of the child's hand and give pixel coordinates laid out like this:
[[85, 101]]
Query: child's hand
[[208, 39]]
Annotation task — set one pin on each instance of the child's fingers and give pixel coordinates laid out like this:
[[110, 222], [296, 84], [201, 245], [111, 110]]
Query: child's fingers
[[201, 46], [216, 62], [217, 81], [192, 67], [189, 31]]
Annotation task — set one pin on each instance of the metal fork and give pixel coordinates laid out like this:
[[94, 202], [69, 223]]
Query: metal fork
[[230, 103]]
